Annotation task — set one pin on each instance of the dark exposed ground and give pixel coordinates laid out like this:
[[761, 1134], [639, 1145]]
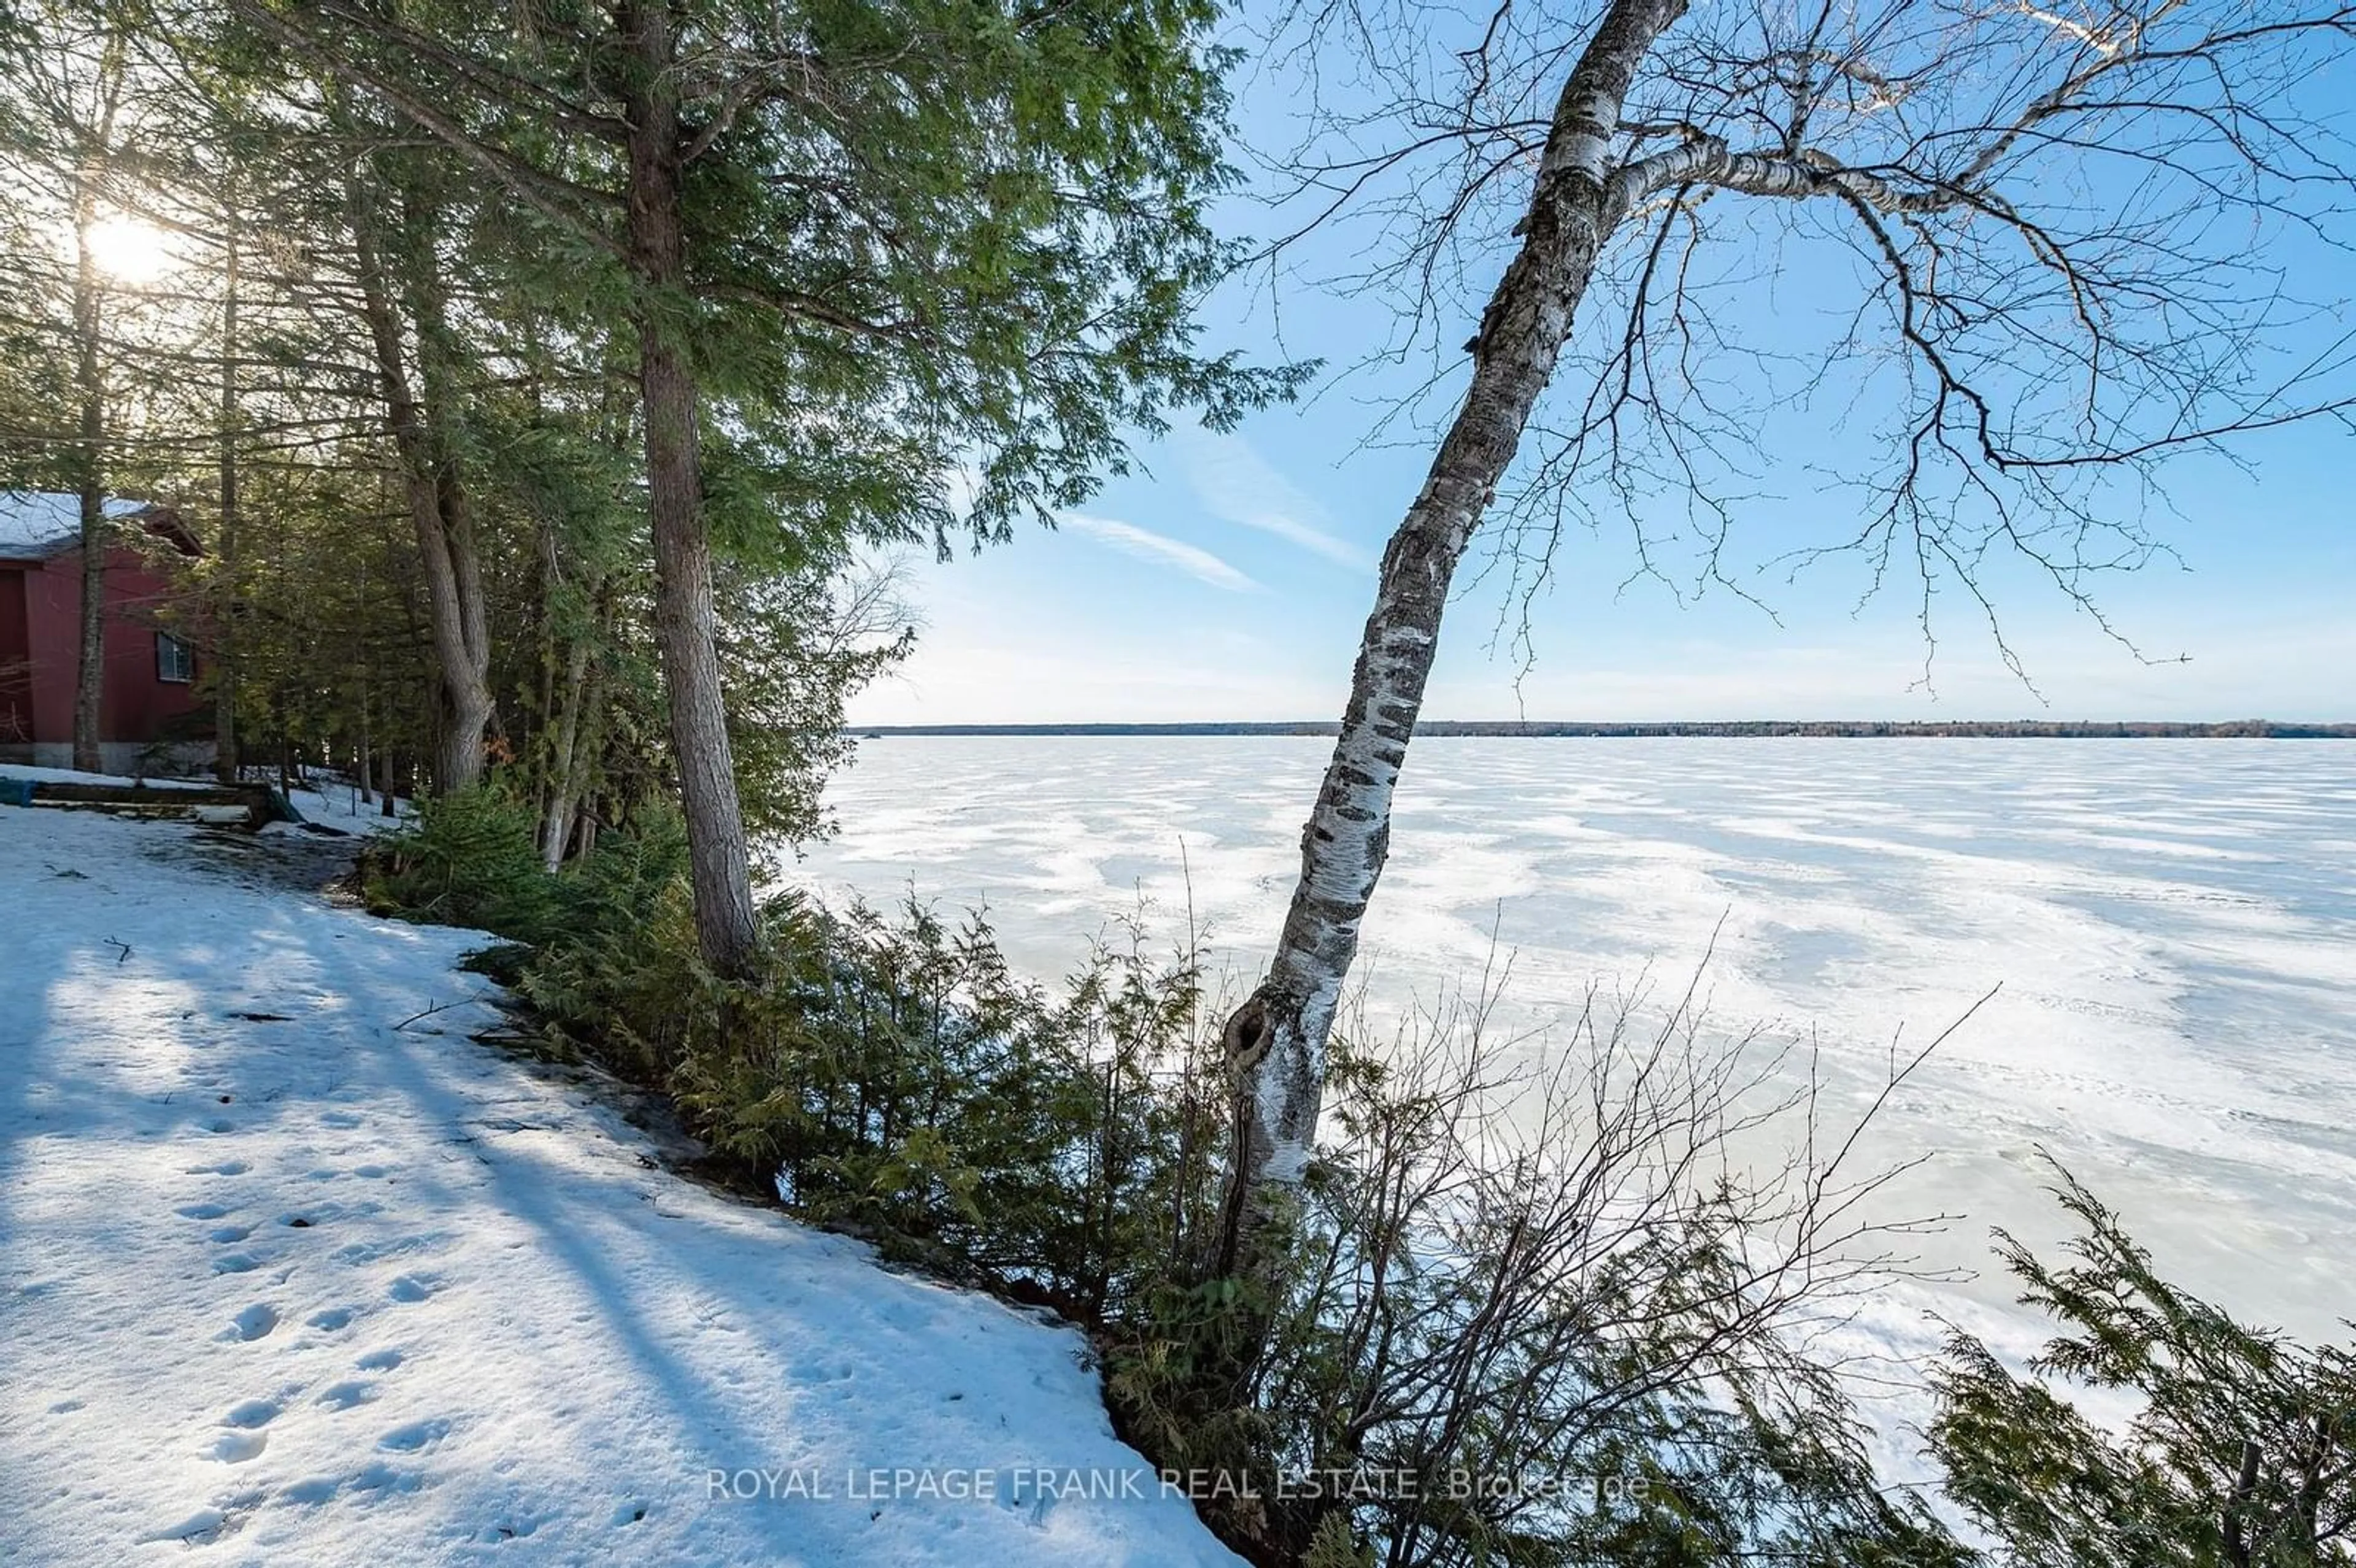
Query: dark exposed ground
[[283, 857]]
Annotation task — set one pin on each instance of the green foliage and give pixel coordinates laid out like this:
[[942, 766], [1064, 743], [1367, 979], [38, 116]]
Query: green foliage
[[903, 1081], [2240, 1452], [955, 237], [894, 1079], [471, 858], [468, 859], [796, 645], [618, 979]]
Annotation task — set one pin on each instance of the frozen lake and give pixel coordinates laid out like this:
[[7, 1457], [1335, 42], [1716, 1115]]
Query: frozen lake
[[2172, 922]]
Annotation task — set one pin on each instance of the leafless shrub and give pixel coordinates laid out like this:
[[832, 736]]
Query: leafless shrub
[[1554, 1293]]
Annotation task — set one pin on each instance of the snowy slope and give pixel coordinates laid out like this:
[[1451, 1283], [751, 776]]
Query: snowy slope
[[340, 1286]]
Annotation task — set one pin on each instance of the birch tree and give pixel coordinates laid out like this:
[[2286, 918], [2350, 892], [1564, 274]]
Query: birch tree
[[2073, 238]]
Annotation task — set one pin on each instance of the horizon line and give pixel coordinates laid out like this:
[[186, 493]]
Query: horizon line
[[1539, 729]]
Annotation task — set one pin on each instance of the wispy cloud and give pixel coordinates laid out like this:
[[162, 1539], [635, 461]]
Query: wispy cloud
[[1238, 485], [1147, 545]]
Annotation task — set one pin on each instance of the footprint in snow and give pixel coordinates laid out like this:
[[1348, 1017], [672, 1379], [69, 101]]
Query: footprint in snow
[[416, 1438], [202, 1210], [409, 1288], [382, 1478], [377, 1252], [222, 1167], [333, 1318], [807, 1373], [379, 1361], [236, 1262], [237, 1447], [253, 1415], [345, 1395], [254, 1322], [227, 1234], [199, 1528]]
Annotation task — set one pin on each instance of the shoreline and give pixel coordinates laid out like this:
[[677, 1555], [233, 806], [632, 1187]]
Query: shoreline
[[1835, 728]]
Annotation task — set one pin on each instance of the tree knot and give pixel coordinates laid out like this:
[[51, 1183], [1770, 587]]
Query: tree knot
[[1244, 1040]]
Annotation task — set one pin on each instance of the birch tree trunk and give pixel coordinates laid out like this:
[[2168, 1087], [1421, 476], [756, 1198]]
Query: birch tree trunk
[[686, 624], [1275, 1043]]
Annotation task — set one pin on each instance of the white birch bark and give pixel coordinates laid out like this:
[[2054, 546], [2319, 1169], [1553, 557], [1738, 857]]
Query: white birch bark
[[1275, 1042]]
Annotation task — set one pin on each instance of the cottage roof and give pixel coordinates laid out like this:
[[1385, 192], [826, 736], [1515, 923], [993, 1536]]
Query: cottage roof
[[36, 524]]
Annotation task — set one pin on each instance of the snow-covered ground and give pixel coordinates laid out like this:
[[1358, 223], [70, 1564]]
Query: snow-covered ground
[[330, 802], [292, 1270]]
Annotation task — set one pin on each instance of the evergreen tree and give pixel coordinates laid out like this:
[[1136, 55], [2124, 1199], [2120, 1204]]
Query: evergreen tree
[[2240, 1452], [861, 249]]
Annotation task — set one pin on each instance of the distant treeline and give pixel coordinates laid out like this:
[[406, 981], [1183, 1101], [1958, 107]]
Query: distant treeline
[[2081, 730]]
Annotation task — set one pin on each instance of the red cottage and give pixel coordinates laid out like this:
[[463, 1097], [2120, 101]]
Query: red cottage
[[149, 705]]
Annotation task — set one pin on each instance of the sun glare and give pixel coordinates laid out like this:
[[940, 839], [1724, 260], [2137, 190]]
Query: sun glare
[[130, 251]]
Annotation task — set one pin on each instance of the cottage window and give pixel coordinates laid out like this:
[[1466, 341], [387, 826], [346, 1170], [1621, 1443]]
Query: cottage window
[[174, 660]]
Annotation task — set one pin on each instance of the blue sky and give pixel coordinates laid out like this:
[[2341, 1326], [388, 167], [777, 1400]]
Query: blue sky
[[1228, 578]]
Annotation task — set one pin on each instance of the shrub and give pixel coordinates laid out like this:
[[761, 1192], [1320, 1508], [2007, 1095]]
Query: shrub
[[469, 859], [602, 949], [894, 1078], [2242, 1452], [1538, 1317]]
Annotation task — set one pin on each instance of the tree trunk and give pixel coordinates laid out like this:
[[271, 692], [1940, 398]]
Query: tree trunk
[[226, 542], [544, 712], [1275, 1042], [361, 794], [437, 505], [89, 387], [686, 625], [571, 734], [473, 710]]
